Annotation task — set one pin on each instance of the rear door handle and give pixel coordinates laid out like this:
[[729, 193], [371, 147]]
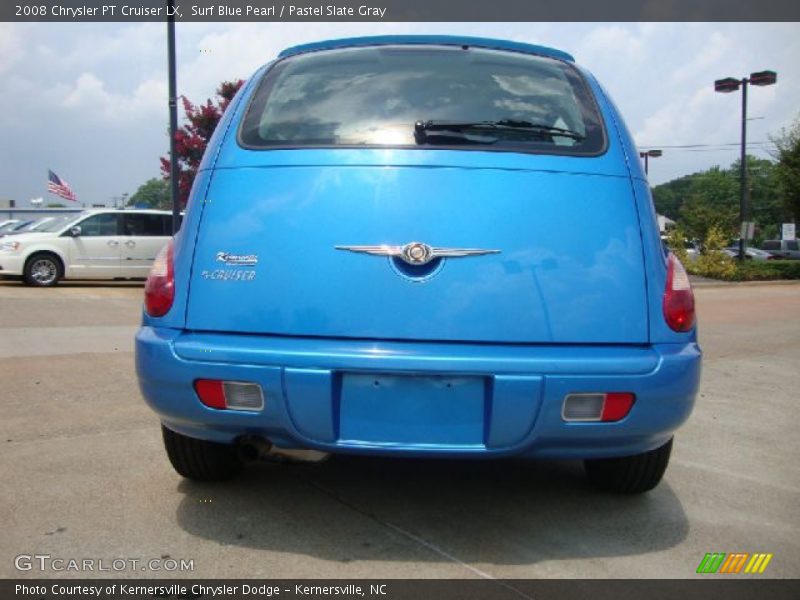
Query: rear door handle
[[113, 243], [130, 243]]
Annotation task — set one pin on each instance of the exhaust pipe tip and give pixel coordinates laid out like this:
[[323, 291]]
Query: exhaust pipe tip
[[252, 448]]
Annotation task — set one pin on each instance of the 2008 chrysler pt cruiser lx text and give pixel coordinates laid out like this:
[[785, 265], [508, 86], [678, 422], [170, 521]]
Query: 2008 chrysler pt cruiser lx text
[[421, 246]]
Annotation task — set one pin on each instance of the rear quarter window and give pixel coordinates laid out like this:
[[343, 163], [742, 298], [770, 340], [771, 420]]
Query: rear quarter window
[[373, 97]]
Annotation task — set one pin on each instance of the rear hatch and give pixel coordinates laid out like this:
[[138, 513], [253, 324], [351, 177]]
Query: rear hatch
[[450, 146], [569, 267]]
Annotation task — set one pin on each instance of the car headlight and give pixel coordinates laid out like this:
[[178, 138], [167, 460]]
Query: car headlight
[[10, 246]]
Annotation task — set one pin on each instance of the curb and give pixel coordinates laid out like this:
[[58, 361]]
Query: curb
[[712, 283]]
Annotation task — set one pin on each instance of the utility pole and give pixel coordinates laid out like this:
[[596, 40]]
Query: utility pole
[[173, 115]]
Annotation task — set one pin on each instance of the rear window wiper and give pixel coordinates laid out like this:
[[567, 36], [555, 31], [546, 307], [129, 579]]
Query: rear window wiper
[[453, 136], [422, 128]]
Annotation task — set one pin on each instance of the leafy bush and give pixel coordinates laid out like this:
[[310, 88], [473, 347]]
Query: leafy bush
[[676, 241], [713, 262], [753, 270]]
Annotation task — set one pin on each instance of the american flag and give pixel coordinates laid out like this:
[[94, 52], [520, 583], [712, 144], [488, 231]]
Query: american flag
[[59, 187]]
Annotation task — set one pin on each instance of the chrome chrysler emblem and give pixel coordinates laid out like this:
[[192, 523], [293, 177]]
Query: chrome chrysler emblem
[[417, 253]]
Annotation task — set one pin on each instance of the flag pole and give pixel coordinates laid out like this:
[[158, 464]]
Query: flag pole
[[173, 115]]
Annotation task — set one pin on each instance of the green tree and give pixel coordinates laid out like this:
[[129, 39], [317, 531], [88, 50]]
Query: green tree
[[710, 198], [787, 151], [669, 197], [154, 193], [764, 202], [710, 201]]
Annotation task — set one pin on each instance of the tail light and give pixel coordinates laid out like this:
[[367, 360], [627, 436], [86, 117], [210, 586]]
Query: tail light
[[234, 395], [678, 297], [602, 407], [159, 291]]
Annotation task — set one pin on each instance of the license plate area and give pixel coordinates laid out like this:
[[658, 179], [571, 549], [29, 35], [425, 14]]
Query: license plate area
[[412, 409]]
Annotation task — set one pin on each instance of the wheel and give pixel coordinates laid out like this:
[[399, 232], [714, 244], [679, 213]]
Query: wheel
[[629, 474], [43, 270], [200, 460]]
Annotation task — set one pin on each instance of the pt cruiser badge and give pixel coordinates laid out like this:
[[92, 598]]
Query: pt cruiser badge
[[417, 253], [239, 260]]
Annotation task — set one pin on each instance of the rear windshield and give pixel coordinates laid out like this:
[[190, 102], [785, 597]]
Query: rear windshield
[[467, 97]]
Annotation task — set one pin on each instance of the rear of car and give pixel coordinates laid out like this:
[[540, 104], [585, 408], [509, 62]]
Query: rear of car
[[8, 225], [421, 246], [783, 249], [749, 253], [15, 227]]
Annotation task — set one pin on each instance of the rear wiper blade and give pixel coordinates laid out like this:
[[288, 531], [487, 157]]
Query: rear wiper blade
[[422, 127], [452, 136]]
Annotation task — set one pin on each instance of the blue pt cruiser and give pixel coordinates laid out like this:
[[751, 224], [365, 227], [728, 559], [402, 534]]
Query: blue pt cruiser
[[421, 246]]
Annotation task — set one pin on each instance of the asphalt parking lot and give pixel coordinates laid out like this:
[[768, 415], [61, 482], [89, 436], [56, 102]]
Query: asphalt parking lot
[[84, 474]]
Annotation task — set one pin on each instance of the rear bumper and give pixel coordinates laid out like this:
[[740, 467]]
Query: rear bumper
[[428, 398]]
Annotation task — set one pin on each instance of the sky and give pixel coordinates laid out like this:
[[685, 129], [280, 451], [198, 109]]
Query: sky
[[89, 100]]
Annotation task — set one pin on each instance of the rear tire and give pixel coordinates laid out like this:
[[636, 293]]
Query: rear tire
[[199, 459], [629, 474]]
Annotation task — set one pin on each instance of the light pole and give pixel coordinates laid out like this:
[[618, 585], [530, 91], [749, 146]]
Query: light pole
[[726, 86], [173, 115], [647, 155]]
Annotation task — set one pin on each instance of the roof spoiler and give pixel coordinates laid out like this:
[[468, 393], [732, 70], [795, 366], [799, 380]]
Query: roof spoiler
[[429, 40]]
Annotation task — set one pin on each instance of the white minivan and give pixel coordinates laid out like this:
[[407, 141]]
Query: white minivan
[[94, 244]]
